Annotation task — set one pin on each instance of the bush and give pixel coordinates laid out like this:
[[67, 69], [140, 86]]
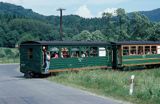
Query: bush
[[9, 55], [2, 53]]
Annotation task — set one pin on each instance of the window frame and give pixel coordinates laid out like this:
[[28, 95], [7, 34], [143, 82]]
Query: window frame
[[30, 53]]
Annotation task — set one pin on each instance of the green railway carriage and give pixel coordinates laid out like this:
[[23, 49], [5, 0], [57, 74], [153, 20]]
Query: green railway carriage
[[69, 56], [135, 53], [74, 55]]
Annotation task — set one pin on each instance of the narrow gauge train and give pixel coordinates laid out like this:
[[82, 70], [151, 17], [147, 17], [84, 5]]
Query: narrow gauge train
[[76, 55]]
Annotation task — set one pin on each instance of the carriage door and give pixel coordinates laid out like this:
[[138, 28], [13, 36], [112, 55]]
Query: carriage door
[[32, 58]]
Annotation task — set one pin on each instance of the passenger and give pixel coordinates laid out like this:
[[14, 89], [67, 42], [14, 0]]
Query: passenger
[[55, 55], [86, 53], [48, 57], [134, 53], [44, 56], [61, 54], [77, 54], [65, 54], [73, 55], [148, 52], [83, 55], [154, 52], [140, 52]]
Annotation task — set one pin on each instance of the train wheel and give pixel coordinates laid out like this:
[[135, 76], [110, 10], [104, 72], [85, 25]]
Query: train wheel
[[29, 74], [150, 66]]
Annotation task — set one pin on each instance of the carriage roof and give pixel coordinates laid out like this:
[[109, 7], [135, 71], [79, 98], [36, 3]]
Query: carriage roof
[[136, 43], [75, 43]]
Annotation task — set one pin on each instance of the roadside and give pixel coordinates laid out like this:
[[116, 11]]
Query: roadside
[[17, 90], [97, 95], [115, 84], [9, 55]]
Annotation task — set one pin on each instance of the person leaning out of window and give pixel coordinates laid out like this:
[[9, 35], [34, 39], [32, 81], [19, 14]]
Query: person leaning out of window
[[48, 57]]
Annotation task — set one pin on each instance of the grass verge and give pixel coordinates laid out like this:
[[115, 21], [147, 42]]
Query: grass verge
[[9, 55], [116, 84]]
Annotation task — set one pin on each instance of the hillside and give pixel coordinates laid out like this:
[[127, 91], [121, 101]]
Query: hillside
[[18, 24], [7, 8], [19, 11], [153, 15]]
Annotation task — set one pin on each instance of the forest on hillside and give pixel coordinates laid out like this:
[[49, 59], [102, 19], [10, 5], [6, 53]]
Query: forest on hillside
[[18, 24]]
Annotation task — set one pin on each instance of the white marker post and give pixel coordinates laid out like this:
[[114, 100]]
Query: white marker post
[[132, 84]]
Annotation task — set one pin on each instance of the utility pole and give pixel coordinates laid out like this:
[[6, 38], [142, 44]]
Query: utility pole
[[61, 31]]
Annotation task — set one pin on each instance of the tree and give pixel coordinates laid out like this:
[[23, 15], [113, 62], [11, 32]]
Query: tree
[[87, 36], [109, 32], [54, 35], [123, 23], [9, 53], [107, 16], [2, 53], [16, 22], [2, 33], [27, 37], [97, 35], [84, 35], [155, 36], [11, 38], [141, 27]]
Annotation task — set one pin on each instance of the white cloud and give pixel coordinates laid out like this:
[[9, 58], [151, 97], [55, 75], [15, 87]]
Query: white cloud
[[108, 10], [83, 11]]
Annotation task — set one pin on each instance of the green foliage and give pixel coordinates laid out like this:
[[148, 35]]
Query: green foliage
[[116, 84], [155, 32], [84, 35], [2, 53], [9, 55], [97, 35], [87, 36], [11, 11], [18, 24], [27, 37], [30, 25], [153, 15], [141, 26]]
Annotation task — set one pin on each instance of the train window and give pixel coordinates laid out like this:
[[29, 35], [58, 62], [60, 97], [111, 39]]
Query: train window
[[30, 53], [140, 50], [133, 50], [102, 52], [147, 50], [125, 50], [85, 51], [93, 51], [54, 52], [154, 49], [75, 52], [65, 53]]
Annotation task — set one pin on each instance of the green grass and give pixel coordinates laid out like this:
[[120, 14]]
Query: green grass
[[9, 55], [116, 84], [9, 60]]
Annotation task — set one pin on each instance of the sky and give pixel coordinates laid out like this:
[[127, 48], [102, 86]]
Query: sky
[[85, 8]]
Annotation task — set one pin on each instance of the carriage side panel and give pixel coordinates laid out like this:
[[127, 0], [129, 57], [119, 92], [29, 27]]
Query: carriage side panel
[[30, 58]]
